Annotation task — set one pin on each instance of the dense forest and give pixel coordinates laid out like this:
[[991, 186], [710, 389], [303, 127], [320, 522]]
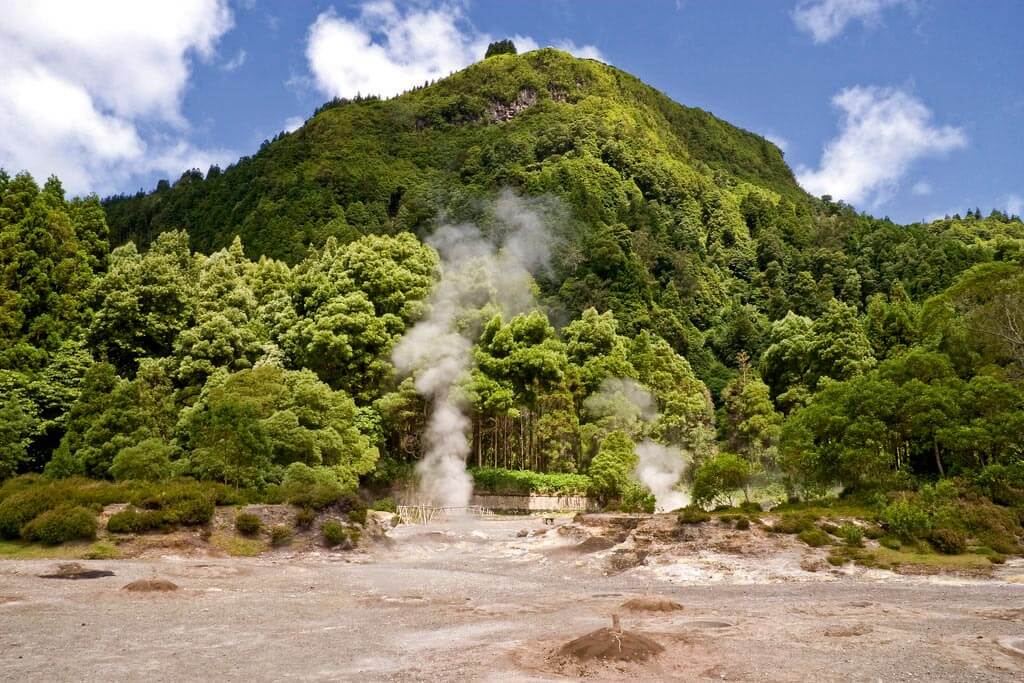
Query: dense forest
[[238, 327]]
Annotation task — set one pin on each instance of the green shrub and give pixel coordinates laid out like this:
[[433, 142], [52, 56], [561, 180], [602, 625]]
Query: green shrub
[[149, 460], [305, 517], [948, 541], [718, 477], [281, 534], [742, 523], [873, 532], [248, 524], [814, 537], [65, 523], [793, 524], [384, 505], [191, 512], [132, 521], [836, 560], [751, 506], [317, 497], [101, 550], [906, 520], [335, 533], [21, 507], [501, 481], [890, 542], [692, 515], [635, 498], [852, 535], [829, 528]]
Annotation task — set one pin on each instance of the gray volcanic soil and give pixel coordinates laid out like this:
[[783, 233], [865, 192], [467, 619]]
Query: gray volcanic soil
[[480, 602]]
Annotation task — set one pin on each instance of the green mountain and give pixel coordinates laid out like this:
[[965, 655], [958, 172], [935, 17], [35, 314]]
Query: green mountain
[[543, 121], [680, 222]]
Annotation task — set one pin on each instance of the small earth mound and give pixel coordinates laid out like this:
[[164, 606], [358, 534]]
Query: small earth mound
[[74, 571], [611, 644], [651, 604], [595, 544], [151, 586]]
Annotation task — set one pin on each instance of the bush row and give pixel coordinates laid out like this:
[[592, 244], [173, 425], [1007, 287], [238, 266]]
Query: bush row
[[501, 481]]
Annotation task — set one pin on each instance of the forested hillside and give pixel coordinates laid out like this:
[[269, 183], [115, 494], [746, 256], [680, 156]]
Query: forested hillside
[[243, 330]]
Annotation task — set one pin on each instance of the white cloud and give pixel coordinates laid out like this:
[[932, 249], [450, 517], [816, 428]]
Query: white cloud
[[584, 51], [826, 19], [385, 51], [921, 188], [777, 140], [882, 133], [93, 91], [1014, 204], [293, 123], [235, 62]]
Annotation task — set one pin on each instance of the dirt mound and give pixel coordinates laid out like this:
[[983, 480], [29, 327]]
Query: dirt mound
[[151, 586], [596, 544], [611, 644], [651, 604], [75, 571]]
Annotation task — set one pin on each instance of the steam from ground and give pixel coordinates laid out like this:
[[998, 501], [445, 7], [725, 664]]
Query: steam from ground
[[476, 271], [622, 404], [659, 469]]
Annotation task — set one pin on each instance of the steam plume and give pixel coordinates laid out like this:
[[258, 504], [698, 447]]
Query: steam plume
[[623, 403], [475, 272]]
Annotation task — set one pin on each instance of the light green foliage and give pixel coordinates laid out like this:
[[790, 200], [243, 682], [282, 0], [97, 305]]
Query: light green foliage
[[65, 523], [718, 477], [752, 425], [247, 426], [682, 247], [149, 460], [612, 468], [503, 481]]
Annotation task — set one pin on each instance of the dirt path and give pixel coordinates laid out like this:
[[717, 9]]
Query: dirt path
[[480, 603]]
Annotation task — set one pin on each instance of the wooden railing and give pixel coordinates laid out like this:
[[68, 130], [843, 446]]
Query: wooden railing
[[424, 514]]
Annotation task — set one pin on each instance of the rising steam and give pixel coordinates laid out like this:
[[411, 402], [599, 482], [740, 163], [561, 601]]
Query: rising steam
[[475, 272], [623, 403]]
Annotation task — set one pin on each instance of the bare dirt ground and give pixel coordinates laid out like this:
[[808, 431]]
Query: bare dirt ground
[[495, 600]]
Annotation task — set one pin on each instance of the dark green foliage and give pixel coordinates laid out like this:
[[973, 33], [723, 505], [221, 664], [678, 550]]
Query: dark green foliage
[[384, 505], [851, 534], [248, 524], [305, 517], [742, 524], [281, 534], [64, 523], [357, 513], [814, 537], [906, 520], [132, 521], [793, 524], [947, 540], [692, 515], [500, 47], [890, 542], [523, 482], [335, 533], [839, 350], [718, 477]]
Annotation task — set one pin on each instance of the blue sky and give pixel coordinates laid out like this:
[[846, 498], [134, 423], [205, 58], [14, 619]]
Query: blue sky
[[906, 108]]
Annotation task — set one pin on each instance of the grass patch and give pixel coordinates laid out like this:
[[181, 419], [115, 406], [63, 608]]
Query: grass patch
[[237, 546], [894, 558], [102, 550], [814, 537], [22, 550]]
